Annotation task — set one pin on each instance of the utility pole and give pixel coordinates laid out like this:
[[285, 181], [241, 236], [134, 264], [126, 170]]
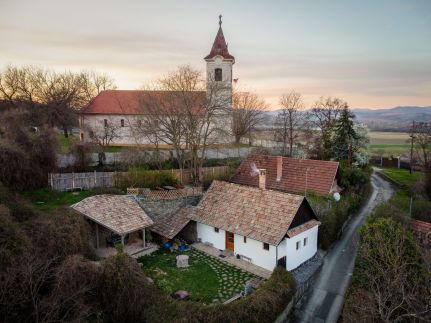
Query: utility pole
[[412, 135]]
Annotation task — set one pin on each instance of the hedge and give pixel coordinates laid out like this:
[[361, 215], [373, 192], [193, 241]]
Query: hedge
[[126, 295]]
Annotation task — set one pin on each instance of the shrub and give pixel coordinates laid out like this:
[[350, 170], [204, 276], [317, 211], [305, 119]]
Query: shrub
[[137, 177], [126, 295]]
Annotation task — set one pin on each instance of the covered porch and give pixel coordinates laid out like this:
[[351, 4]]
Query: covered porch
[[116, 220]]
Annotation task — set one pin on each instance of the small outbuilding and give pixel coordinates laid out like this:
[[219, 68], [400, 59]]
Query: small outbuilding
[[114, 219]]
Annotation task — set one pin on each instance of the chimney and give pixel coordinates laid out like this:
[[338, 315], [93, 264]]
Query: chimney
[[262, 179], [279, 168]]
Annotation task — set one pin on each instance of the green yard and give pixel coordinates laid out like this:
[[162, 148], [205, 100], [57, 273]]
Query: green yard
[[403, 176], [207, 280], [46, 199]]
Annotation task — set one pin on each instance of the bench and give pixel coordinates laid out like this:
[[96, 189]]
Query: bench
[[246, 258]]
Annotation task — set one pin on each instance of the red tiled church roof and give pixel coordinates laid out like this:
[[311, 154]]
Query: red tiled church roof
[[219, 46], [130, 102], [320, 178]]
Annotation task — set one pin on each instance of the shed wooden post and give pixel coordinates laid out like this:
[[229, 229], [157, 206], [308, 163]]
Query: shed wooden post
[[95, 178], [73, 180], [143, 238], [122, 240], [97, 236]]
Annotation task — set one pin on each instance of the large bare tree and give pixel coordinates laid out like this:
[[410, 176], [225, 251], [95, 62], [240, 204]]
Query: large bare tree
[[184, 112], [289, 121], [247, 112], [56, 96]]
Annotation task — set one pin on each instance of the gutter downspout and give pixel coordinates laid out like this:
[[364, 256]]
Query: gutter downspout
[[276, 256]]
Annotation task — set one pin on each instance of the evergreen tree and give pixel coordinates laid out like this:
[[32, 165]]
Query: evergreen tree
[[344, 136]]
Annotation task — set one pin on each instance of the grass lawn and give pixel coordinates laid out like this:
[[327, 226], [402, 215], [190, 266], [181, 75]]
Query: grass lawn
[[46, 199], [403, 176], [207, 280]]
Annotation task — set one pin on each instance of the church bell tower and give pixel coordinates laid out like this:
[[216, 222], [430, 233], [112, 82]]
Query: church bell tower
[[219, 68]]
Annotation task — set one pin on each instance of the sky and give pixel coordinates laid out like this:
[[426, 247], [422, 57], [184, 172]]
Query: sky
[[371, 53]]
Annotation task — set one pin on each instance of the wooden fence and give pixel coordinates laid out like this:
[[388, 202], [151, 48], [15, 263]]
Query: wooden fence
[[71, 181]]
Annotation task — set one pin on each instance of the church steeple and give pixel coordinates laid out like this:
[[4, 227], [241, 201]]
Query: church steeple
[[219, 47], [219, 67]]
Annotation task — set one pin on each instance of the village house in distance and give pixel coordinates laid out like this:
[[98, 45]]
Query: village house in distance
[[124, 110]]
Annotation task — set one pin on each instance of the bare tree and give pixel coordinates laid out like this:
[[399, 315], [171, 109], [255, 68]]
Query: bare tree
[[247, 112], [289, 121], [323, 116], [391, 285], [183, 113], [102, 134], [56, 95]]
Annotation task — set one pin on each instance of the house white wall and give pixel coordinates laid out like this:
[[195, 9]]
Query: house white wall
[[207, 234], [294, 257], [254, 250]]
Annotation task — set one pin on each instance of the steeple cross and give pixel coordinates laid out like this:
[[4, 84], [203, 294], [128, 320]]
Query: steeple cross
[[219, 22]]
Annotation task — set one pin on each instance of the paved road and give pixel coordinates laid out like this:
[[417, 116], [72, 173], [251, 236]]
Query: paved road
[[325, 301]]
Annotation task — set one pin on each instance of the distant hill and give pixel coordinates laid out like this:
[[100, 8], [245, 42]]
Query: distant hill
[[394, 119]]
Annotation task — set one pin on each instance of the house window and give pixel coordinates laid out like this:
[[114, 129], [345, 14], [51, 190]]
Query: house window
[[218, 74], [245, 239], [298, 245], [82, 136], [305, 241], [91, 134], [105, 122], [139, 123], [122, 122], [265, 246], [216, 230]]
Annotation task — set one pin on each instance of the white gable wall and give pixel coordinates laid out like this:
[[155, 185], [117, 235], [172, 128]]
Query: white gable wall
[[254, 250], [207, 234], [294, 257]]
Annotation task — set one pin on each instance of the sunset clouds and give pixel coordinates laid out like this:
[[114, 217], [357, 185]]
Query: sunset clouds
[[371, 53]]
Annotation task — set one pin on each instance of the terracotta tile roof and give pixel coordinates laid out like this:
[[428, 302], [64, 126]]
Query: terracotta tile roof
[[169, 226], [119, 213], [219, 47], [420, 226], [301, 228], [263, 215], [132, 102], [320, 178]]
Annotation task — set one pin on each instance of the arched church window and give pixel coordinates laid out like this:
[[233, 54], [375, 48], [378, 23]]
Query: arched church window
[[218, 74]]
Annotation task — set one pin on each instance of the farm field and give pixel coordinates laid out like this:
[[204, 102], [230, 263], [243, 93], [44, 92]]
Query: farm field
[[390, 143]]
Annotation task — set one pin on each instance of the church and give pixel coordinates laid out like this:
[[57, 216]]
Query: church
[[123, 111]]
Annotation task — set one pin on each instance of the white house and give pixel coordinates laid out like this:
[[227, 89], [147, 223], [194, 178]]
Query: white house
[[266, 227], [125, 109]]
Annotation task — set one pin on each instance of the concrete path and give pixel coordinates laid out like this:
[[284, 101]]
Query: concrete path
[[324, 302], [242, 264]]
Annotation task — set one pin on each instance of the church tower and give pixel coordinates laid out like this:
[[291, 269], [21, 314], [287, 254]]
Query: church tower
[[219, 67]]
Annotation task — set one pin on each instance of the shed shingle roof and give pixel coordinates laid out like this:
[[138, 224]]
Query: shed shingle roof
[[263, 215], [170, 225], [119, 213], [320, 178]]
